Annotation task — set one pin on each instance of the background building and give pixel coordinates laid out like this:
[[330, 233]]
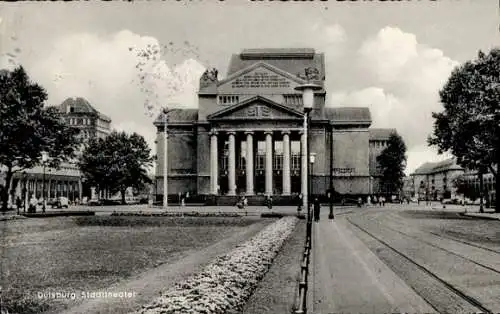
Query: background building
[[434, 179], [65, 181], [245, 136]]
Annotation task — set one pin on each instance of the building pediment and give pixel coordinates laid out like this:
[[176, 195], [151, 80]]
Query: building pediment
[[257, 108], [259, 78]]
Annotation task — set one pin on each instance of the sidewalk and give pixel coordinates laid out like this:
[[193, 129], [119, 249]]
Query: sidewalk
[[349, 278]]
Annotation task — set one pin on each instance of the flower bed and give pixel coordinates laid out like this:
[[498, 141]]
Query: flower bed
[[227, 283]]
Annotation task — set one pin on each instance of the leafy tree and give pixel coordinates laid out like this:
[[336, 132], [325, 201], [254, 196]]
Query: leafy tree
[[117, 162], [461, 185], [27, 128], [469, 126], [392, 163]]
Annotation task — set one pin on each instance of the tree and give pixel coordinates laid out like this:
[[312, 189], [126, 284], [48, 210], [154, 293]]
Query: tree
[[469, 125], [117, 162], [392, 163], [27, 128], [460, 185]]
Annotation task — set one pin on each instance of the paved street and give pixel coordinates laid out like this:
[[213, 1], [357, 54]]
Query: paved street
[[405, 259]]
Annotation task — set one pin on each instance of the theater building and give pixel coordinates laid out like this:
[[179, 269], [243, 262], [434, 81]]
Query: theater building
[[246, 135]]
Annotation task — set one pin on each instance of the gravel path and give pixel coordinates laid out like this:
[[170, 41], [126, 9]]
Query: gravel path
[[149, 284]]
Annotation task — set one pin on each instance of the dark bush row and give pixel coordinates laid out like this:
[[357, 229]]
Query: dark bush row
[[137, 220]]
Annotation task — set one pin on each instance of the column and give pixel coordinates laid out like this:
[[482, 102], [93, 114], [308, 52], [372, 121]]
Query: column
[[269, 162], [249, 163], [49, 188], [214, 166], [80, 190], [287, 184], [232, 164], [304, 160]]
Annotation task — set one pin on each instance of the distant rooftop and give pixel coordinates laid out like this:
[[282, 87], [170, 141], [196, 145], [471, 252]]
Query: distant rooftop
[[348, 114], [80, 104], [435, 167], [381, 134], [186, 115], [262, 53]]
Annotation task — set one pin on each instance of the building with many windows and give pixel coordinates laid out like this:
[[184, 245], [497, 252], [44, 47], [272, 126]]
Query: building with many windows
[[246, 136], [433, 180], [65, 181]]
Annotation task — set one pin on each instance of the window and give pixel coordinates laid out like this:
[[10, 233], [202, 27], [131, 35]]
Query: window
[[295, 162], [260, 162], [293, 99], [278, 162], [243, 162], [228, 99]]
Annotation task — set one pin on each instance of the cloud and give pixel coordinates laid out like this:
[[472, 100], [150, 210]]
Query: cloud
[[327, 37], [404, 79], [109, 73]]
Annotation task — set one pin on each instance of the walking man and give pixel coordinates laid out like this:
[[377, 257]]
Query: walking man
[[317, 208]]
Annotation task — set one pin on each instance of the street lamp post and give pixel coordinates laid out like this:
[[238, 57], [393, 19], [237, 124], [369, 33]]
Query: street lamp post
[[330, 188], [165, 159], [312, 158], [45, 157], [308, 103], [481, 188]]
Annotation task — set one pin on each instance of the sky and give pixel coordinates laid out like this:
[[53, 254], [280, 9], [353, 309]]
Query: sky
[[392, 57]]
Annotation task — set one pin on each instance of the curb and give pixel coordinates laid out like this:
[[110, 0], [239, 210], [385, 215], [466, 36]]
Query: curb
[[478, 217]]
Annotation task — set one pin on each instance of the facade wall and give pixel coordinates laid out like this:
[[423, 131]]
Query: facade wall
[[351, 151], [318, 139], [435, 184], [177, 184], [203, 162]]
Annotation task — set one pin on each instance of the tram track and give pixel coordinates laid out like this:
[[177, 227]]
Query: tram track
[[449, 251], [449, 237], [404, 264]]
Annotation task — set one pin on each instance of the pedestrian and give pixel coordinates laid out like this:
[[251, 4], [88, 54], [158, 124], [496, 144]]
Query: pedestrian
[[33, 203], [269, 202], [299, 202], [368, 200], [317, 208], [382, 200], [18, 203], [360, 201], [245, 202], [375, 200]]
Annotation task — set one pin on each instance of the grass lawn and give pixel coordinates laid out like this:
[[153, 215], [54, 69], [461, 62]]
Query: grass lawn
[[276, 291], [75, 254]]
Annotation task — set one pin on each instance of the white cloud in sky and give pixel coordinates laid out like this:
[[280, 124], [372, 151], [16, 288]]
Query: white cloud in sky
[[405, 78], [105, 71]]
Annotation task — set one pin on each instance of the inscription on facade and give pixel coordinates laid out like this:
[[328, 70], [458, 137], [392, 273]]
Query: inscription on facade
[[343, 171], [260, 80]]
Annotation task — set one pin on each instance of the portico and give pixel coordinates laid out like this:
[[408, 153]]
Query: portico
[[240, 159]]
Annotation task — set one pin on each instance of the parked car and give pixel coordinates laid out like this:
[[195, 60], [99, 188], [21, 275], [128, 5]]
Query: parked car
[[453, 201], [94, 202], [60, 202]]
